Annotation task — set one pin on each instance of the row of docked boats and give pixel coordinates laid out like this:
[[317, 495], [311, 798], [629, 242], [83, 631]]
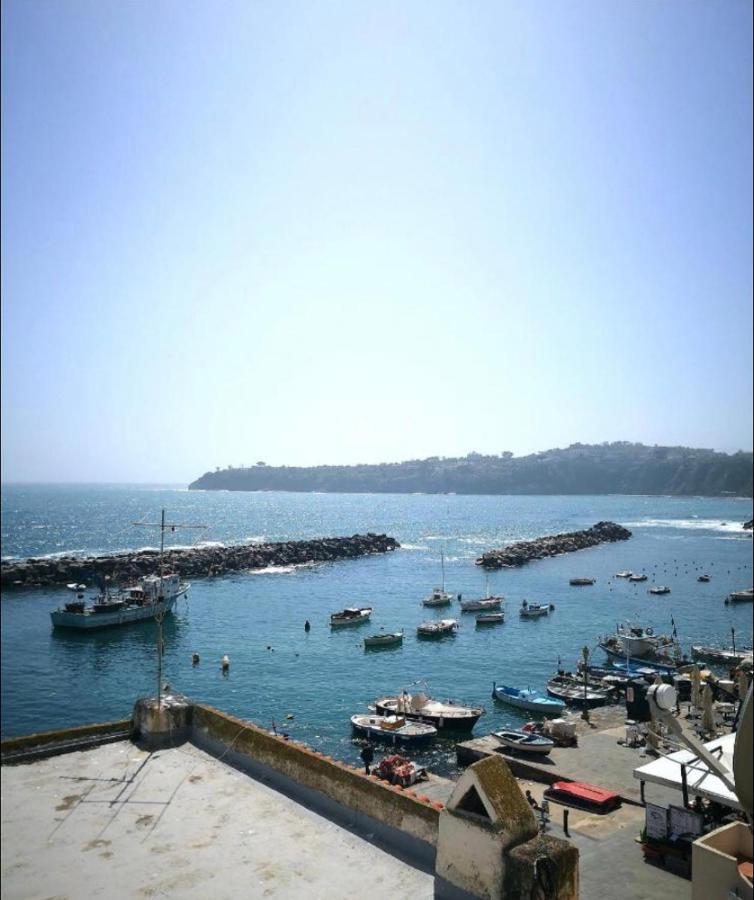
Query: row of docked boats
[[414, 718]]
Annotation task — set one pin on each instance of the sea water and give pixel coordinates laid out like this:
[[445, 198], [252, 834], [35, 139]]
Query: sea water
[[310, 684]]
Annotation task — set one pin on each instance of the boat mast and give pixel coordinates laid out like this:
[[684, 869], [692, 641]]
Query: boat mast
[[159, 615], [442, 566]]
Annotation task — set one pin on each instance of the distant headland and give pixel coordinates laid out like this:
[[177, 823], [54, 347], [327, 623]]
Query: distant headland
[[610, 468]]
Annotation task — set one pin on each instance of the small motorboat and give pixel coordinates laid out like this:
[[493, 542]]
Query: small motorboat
[[641, 577], [573, 692], [487, 603], [533, 701], [534, 610], [438, 597], [744, 596], [524, 741], [581, 582], [354, 615], [448, 715], [659, 589], [384, 639], [437, 628], [704, 578], [395, 729], [492, 618], [623, 574]]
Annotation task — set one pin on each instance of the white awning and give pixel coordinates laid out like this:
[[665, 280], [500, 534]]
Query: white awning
[[699, 779]]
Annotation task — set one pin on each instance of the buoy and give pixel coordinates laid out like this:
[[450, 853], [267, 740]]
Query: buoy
[[195, 659], [225, 664]]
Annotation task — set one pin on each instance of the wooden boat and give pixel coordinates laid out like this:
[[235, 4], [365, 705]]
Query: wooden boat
[[660, 589], [492, 618], [581, 582], [525, 741], [534, 610], [583, 796], [394, 729], [641, 577], [437, 628], [744, 596], [384, 639], [721, 655], [449, 715], [354, 615], [483, 604], [573, 693], [532, 701]]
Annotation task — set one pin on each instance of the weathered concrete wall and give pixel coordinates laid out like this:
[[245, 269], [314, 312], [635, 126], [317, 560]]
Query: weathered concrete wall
[[714, 863], [396, 808], [48, 743], [544, 867]]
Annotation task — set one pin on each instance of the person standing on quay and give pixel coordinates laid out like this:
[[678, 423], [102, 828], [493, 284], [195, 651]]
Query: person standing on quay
[[367, 755]]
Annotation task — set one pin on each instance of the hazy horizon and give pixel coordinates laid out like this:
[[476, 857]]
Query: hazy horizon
[[335, 233]]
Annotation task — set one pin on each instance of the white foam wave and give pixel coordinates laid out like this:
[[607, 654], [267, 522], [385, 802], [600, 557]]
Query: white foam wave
[[275, 570], [694, 523], [414, 547]]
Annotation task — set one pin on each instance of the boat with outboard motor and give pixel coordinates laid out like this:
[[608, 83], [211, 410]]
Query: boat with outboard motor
[[524, 698], [351, 615], [448, 715], [534, 610], [395, 729], [524, 741], [436, 628], [151, 596]]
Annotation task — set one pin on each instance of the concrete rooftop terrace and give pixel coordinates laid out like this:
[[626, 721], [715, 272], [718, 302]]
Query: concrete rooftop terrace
[[117, 821]]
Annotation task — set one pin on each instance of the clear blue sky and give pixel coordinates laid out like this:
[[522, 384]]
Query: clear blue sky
[[355, 231]]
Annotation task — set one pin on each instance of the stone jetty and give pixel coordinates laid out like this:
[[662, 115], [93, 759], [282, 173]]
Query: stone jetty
[[195, 562], [552, 545]]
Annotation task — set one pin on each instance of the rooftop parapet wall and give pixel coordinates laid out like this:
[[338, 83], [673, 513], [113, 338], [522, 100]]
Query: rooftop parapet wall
[[50, 743], [195, 562], [391, 806]]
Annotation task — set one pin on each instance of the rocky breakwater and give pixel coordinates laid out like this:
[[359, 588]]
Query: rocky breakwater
[[195, 562], [552, 545]]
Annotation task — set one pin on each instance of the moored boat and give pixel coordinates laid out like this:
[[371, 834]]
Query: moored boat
[[704, 578], [151, 596], [437, 628], [449, 715], [489, 603], [353, 615], [384, 639], [744, 596], [524, 698], [438, 597], [623, 574], [721, 655], [635, 643], [394, 729], [638, 577], [575, 693], [581, 582], [491, 618], [534, 610], [524, 741], [659, 589]]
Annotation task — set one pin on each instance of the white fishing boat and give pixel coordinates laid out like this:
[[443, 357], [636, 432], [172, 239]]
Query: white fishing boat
[[352, 615], [448, 715], [638, 577], [534, 610], [525, 742], [581, 582], [524, 698], [659, 589], [745, 596], [437, 628], [394, 729], [151, 596], [490, 618], [438, 597], [635, 643], [384, 639], [623, 574]]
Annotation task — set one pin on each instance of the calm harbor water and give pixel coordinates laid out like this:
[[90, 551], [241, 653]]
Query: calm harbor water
[[53, 679]]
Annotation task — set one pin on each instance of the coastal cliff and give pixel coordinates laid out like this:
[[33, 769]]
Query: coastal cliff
[[195, 562], [552, 545], [617, 468]]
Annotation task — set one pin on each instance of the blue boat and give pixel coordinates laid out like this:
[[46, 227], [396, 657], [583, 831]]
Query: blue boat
[[532, 701]]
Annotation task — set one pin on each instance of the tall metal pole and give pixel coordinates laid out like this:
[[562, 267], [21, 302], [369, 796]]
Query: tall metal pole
[[159, 615], [585, 654], [733, 637]]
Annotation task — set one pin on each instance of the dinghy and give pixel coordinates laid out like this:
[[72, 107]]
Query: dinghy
[[524, 741], [533, 701], [384, 639]]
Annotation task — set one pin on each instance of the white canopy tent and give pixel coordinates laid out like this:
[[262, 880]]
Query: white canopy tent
[[699, 780]]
